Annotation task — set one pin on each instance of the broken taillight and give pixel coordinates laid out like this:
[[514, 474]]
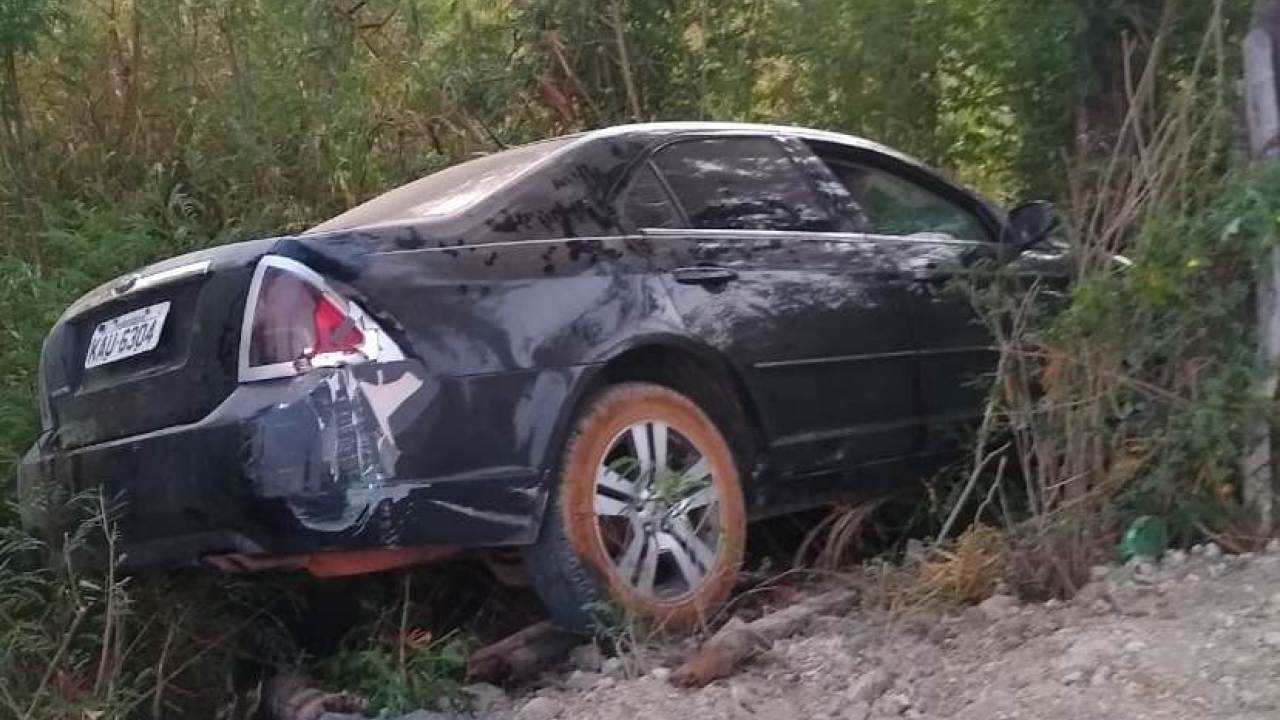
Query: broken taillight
[[296, 322], [335, 331]]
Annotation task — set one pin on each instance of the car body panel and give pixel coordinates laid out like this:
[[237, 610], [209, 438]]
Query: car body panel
[[814, 322]]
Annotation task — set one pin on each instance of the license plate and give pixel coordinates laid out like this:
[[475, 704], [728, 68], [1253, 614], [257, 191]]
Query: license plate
[[126, 335]]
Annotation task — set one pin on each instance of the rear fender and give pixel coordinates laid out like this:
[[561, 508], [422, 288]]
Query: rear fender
[[598, 375]]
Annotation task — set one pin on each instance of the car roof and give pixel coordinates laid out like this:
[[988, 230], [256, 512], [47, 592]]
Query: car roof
[[659, 129], [655, 131]]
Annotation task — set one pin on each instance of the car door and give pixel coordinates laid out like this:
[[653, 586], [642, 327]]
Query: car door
[[943, 242], [761, 266]]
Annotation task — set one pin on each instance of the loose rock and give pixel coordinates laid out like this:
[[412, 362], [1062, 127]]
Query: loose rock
[[895, 703], [998, 607], [426, 715], [614, 667], [484, 695], [587, 657], [579, 680], [870, 686], [540, 708]]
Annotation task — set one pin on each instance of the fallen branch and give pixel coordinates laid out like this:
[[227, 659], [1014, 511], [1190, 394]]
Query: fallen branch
[[522, 655], [737, 642]]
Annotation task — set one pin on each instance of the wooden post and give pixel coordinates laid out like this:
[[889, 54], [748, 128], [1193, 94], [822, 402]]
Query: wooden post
[[1263, 109]]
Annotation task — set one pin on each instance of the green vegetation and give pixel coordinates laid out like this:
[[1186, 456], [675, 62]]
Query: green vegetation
[[1189, 359], [428, 672], [132, 130], [1132, 394], [1132, 400]]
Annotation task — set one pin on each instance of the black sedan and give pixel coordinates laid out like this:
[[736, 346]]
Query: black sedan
[[612, 350]]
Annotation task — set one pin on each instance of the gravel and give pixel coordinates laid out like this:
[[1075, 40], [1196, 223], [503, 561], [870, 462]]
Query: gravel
[[1192, 637]]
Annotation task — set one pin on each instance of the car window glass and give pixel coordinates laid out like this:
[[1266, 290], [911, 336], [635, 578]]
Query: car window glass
[[896, 206], [450, 190], [741, 184], [645, 204]]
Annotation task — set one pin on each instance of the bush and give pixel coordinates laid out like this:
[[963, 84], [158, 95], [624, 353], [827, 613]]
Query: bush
[[402, 674], [1132, 394]]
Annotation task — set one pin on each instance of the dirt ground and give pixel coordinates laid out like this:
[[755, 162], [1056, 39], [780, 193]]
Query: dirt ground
[[1194, 636]]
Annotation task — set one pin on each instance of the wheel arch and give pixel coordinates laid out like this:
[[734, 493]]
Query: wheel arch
[[686, 366]]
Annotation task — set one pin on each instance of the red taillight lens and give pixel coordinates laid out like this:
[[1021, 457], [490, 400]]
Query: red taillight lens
[[294, 319], [335, 331]]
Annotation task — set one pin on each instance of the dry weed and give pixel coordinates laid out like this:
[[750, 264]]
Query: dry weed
[[968, 572], [838, 537]]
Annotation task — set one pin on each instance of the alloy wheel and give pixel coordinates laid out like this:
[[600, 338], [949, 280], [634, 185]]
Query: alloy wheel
[[657, 510]]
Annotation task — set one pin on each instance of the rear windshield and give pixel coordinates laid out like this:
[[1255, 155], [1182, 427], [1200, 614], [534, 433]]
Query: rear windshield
[[448, 191]]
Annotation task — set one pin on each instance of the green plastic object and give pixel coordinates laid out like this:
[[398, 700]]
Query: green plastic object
[[1145, 538]]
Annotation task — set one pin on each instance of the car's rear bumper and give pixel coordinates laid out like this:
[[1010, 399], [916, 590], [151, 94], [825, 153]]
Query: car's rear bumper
[[289, 467]]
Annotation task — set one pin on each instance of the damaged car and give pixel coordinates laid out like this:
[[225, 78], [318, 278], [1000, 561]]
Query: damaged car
[[604, 354]]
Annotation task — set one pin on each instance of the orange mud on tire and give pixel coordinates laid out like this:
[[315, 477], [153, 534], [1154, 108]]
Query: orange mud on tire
[[666, 418]]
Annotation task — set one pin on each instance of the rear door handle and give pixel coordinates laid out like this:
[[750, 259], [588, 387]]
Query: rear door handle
[[704, 275]]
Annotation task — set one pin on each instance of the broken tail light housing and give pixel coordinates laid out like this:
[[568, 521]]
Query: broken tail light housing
[[294, 322]]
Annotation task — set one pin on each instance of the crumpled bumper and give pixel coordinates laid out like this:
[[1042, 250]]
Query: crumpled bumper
[[302, 465]]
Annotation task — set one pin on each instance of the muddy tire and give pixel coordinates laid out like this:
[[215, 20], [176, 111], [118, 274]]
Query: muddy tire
[[646, 515]]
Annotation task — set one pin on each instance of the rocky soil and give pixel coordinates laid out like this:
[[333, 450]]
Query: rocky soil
[[1194, 636]]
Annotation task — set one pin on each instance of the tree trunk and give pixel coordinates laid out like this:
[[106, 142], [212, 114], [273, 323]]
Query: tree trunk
[[624, 58], [1262, 91], [14, 151]]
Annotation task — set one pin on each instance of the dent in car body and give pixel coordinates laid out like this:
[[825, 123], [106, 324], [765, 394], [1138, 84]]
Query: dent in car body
[[342, 455]]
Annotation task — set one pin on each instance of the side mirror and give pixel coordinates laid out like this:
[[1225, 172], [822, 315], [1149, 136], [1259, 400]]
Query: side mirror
[[1030, 223]]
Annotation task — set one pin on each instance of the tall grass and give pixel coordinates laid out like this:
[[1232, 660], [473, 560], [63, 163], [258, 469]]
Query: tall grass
[[78, 643]]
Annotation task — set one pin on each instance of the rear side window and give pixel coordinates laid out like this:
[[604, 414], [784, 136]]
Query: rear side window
[[896, 206], [741, 184], [645, 203], [448, 191]]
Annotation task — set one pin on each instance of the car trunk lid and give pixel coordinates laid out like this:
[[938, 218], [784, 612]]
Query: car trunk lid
[[190, 369]]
